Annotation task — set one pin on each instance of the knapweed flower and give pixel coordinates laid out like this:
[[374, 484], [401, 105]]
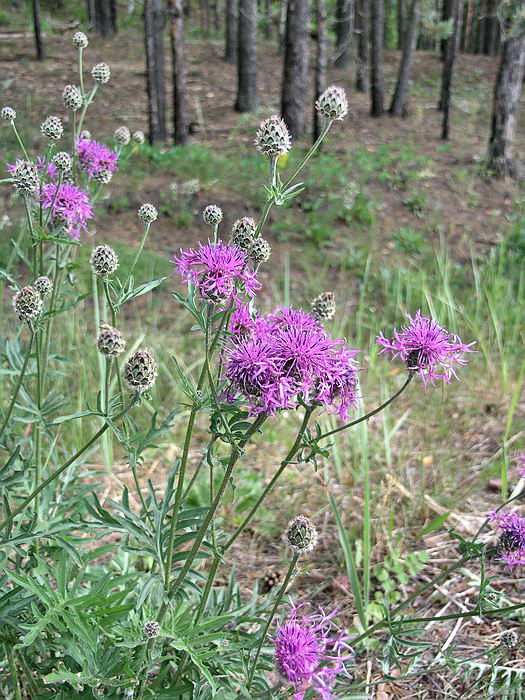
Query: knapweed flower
[[151, 629], [72, 98], [52, 127], [509, 639], [103, 175], [27, 303], [43, 285], [94, 157], [110, 341], [138, 137], [273, 138], [243, 233], [50, 170], [25, 177], [122, 135], [101, 73], [259, 251], [242, 324], [301, 534], [62, 162], [332, 103], [212, 215], [8, 114], [427, 349], [218, 270], [104, 261], [80, 40], [323, 306], [511, 544], [140, 370], [147, 213], [70, 206], [311, 651]]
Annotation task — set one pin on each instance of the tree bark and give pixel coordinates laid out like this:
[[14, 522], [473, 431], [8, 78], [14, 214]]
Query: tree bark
[[400, 23], [105, 18], [39, 44], [448, 67], [155, 84], [500, 156], [180, 119], [247, 57], [343, 32], [377, 87], [283, 6], [267, 20], [232, 30], [363, 27], [320, 62], [493, 29], [398, 107], [446, 14], [294, 93]]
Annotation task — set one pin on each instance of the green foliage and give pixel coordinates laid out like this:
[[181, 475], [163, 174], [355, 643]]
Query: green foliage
[[409, 241]]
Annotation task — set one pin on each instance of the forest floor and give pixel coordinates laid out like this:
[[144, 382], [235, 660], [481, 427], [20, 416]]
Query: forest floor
[[392, 219]]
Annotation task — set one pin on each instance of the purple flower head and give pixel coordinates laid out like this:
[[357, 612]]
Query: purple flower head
[[287, 318], [242, 324], [511, 544], [311, 651], [426, 348], [520, 465], [51, 171], [95, 157], [218, 270], [71, 206]]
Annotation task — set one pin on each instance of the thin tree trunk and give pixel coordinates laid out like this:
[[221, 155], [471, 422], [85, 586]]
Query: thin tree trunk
[[377, 79], [180, 119], [104, 18], [363, 24], [482, 27], [153, 32], [398, 107], [320, 62], [400, 22], [500, 156], [247, 57], [493, 29], [446, 14], [267, 20], [448, 67], [282, 25], [39, 44], [295, 77], [232, 30], [216, 16], [205, 18], [343, 32]]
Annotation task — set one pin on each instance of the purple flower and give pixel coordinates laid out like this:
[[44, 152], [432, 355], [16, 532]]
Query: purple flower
[[426, 348], [511, 544], [242, 324], [95, 157], [51, 171], [218, 270], [311, 652], [71, 206]]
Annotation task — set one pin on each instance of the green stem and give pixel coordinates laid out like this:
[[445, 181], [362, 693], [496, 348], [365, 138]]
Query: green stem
[[57, 189], [107, 379], [20, 141], [81, 70], [269, 621], [138, 253], [13, 671], [18, 384], [196, 473]]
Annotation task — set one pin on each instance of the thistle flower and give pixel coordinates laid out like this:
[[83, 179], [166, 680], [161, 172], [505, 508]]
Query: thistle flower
[[70, 206], [80, 40], [41, 166], [332, 103], [212, 215], [147, 213], [62, 162], [103, 175], [8, 114], [511, 544], [72, 98], [101, 73], [259, 251], [243, 233], [151, 629], [122, 135], [43, 285], [94, 157], [138, 137], [52, 128], [242, 324], [104, 261], [509, 639], [218, 270], [427, 349], [25, 177], [110, 341], [27, 303], [301, 534], [311, 651], [273, 138], [323, 306], [140, 370]]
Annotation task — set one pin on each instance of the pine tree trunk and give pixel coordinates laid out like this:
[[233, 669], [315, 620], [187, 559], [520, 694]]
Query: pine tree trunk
[[180, 119], [39, 44], [493, 29], [104, 18], [247, 57], [343, 32], [321, 61], [507, 90], [398, 107], [363, 27], [377, 80], [294, 94], [232, 31], [282, 25], [448, 67], [482, 27], [446, 14], [267, 20], [153, 34], [400, 23]]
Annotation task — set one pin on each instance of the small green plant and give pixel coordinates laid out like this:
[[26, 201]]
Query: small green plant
[[393, 574], [417, 203], [409, 241]]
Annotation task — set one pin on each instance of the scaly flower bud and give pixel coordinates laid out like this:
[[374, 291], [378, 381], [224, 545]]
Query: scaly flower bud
[[72, 98], [101, 73], [151, 629], [27, 303], [243, 233], [8, 114], [140, 370], [25, 177], [62, 162], [259, 251], [122, 135], [85, 135], [110, 341], [147, 213], [323, 306], [138, 137], [301, 534], [509, 639], [273, 138], [332, 103], [52, 127], [80, 40], [103, 175], [212, 215], [104, 261], [43, 285]]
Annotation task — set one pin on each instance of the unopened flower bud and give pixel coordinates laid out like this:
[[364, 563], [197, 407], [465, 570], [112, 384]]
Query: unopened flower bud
[[110, 341], [43, 285], [101, 73], [138, 137], [151, 629], [212, 215], [72, 98], [27, 303], [80, 40], [273, 138], [85, 134], [103, 175], [52, 127], [509, 639], [301, 534], [243, 233], [104, 261], [323, 306], [332, 103], [62, 162], [147, 213], [8, 114], [260, 251], [122, 135], [25, 177], [140, 370]]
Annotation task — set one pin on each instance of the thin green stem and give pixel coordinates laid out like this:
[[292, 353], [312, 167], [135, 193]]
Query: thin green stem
[[107, 381], [18, 384], [81, 70], [20, 141], [138, 253], [13, 672], [269, 620], [198, 468], [57, 189]]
